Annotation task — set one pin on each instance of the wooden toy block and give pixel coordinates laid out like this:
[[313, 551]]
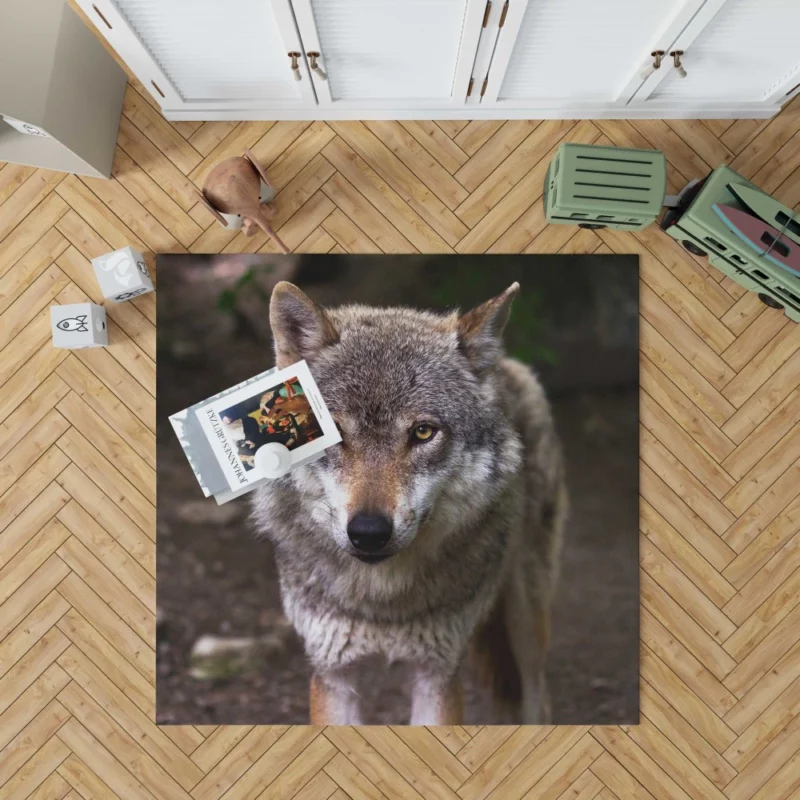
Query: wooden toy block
[[78, 325], [122, 275]]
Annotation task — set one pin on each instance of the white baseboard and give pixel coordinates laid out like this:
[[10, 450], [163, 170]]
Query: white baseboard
[[650, 111]]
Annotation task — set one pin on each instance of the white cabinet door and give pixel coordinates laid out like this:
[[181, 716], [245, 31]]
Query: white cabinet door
[[390, 54], [579, 53], [207, 54], [735, 51]]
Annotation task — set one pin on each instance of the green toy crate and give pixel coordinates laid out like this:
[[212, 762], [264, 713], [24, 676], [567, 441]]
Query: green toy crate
[[605, 187], [696, 225]]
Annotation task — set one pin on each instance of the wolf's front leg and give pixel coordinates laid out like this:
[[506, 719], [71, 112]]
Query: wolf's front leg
[[436, 698], [334, 700]]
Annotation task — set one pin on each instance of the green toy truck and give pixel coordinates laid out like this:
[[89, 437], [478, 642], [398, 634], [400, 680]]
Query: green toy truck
[[605, 187], [612, 187], [696, 225]]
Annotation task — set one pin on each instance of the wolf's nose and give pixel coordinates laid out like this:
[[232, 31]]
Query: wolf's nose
[[369, 532]]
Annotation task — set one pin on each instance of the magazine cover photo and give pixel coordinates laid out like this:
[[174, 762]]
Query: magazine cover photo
[[452, 534], [282, 408], [281, 414]]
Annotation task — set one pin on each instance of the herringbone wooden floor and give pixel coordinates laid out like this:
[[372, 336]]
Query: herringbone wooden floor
[[720, 471]]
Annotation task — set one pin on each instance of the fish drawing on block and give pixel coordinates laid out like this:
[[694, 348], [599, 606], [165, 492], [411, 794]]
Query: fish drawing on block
[[77, 324], [763, 238], [769, 209]]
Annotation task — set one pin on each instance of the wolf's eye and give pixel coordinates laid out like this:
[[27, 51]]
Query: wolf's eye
[[422, 433]]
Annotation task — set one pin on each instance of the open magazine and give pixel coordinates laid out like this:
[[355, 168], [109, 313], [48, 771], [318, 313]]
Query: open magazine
[[222, 434]]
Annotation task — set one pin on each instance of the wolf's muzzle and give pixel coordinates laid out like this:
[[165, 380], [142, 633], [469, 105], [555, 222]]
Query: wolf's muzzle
[[370, 533]]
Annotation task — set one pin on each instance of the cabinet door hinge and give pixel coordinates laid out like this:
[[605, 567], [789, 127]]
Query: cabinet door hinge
[[487, 12], [503, 15], [469, 88], [483, 88]]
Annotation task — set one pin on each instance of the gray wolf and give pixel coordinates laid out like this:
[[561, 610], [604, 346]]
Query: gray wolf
[[432, 532]]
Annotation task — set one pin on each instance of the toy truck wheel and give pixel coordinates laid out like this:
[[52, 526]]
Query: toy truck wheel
[[693, 248], [769, 301], [592, 226]]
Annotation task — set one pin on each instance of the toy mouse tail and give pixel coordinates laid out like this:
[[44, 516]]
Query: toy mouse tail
[[268, 229]]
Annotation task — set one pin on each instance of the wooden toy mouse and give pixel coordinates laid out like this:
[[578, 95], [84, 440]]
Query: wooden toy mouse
[[233, 188]]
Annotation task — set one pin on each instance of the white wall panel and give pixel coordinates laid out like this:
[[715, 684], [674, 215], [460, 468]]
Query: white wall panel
[[214, 49]]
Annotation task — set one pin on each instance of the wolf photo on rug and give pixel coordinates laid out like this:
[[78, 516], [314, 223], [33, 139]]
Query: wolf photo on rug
[[459, 543], [435, 526]]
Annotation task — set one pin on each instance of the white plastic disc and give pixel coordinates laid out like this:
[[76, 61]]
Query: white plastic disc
[[273, 460]]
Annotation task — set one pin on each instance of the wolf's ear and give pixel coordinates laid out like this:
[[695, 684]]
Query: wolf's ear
[[300, 327], [480, 331]]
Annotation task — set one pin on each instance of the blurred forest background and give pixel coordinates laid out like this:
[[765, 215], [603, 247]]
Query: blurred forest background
[[225, 653]]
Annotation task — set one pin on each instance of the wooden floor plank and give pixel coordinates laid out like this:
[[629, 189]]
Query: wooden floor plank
[[476, 133], [162, 171], [151, 775], [419, 161], [111, 625], [503, 762], [682, 590], [437, 143], [686, 703], [36, 296], [785, 561], [350, 201], [413, 200], [684, 556], [42, 655], [525, 193], [32, 555], [510, 171], [31, 266], [685, 338], [773, 612], [111, 588], [705, 143], [36, 770], [15, 608], [31, 738], [678, 732], [129, 462], [768, 139], [690, 418], [95, 756], [452, 127], [348, 235], [31, 230], [209, 135], [395, 747], [304, 143], [225, 774], [698, 641], [125, 713], [267, 768], [25, 199], [643, 768], [137, 109], [31, 629], [152, 197], [12, 176], [696, 460]]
